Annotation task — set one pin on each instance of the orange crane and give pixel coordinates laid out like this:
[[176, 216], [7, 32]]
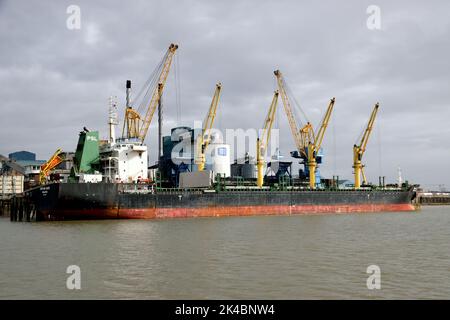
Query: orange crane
[[358, 150], [51, 164], [137, 126], [205, 137], [263, 141]]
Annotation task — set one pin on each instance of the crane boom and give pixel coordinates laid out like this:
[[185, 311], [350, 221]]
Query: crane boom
[[324, 125], [303, 136], [314, 146], [47, 167], [263, 142], [136, 125], [205, 138], [157, 92], [358, 150]]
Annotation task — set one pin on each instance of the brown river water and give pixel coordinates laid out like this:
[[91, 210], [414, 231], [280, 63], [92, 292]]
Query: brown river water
[[276, 257]]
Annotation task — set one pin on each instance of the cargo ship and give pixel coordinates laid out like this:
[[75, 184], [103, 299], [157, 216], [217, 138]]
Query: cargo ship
[[98, 189], [72, 201], [194, 176]]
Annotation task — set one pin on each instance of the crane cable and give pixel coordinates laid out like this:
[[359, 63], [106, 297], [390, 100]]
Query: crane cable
[[297, 108], [333, 123], [361, 133], [148, 87], [177, 88], [149, 91], [378, 133], [145, 93], [380, 164], [276, 125]]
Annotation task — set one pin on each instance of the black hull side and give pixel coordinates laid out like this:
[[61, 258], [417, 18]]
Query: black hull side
[[107, 201]]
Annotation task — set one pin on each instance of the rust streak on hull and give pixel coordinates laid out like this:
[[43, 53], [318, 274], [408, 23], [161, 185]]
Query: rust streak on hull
[[230, 211]]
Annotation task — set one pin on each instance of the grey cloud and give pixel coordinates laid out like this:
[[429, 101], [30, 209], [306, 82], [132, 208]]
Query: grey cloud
[[54, 81]]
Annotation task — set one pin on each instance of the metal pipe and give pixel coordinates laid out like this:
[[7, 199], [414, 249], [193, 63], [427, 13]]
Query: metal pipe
[[160, 122], [128, 91]]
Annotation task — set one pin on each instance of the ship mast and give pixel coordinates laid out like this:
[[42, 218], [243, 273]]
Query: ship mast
[[112, 119]]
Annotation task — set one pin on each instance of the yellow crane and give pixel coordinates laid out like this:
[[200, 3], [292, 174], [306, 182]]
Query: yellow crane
[[358, 150], [314, 146], [51, 164], [262, 143], [205, 137], [136, 125], [302, 137], [306, 141]]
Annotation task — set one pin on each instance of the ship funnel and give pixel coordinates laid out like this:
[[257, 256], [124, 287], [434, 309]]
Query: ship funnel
[[128, 87]]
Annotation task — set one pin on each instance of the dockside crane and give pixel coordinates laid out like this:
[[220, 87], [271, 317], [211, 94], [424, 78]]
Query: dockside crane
[[307, 142], [51, 164], [305, 135], [204, 138], [136, 126], [263, 141], [358, 150], [314, 146]]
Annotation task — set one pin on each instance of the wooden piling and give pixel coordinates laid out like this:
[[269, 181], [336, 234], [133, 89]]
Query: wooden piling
[[13, 210], [19, 208], [20, 213]]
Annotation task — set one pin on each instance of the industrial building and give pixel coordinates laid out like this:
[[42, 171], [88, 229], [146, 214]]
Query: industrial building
[[179, 155], [12, 177], [21, 171], [22, 156]]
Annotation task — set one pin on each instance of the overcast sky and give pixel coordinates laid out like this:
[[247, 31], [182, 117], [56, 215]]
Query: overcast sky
[[54, 81]]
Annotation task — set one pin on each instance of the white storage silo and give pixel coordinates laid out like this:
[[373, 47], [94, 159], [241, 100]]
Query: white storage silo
[[220, 159]]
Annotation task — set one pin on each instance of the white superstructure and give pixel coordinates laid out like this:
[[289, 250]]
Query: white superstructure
[[124, 161]]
